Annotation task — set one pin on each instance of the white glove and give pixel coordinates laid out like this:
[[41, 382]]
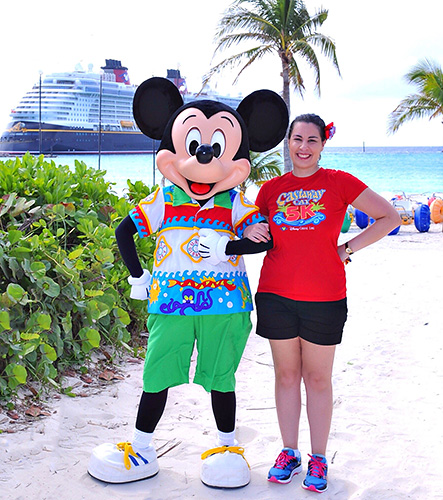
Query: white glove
[[139, 286], [212, 246]]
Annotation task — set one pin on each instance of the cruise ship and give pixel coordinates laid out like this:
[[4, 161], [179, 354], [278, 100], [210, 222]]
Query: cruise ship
[[85, 112]]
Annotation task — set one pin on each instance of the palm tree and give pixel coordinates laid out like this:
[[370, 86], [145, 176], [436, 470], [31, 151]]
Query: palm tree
[[427, 77], [282, 27], [263, 167]]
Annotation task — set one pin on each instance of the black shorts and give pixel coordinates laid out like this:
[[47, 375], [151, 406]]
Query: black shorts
[[317, 322]]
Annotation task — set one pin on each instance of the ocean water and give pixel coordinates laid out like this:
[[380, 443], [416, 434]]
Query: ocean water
[[413, 170]]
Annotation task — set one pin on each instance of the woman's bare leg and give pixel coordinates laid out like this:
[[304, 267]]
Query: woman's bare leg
[[317, 363], [287, 366]]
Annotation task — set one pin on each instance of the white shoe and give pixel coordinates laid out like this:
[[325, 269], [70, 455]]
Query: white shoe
[[225, 467], [121, 464]]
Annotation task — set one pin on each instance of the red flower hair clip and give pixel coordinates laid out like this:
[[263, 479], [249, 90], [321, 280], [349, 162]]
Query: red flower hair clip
[[330, 130]]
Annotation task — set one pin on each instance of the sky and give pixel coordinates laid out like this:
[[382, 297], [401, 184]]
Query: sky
[[377, 42]]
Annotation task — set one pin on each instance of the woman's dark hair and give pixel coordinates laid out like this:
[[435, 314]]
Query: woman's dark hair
[[310, 118]]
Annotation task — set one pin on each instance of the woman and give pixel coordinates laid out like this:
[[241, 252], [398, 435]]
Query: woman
[[301, 297]]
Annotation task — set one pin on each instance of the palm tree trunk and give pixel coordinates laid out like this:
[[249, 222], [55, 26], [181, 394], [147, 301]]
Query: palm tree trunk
[[285, 75]]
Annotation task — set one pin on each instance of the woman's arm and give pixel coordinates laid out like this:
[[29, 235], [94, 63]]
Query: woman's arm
[[258, 232], [385, 216]]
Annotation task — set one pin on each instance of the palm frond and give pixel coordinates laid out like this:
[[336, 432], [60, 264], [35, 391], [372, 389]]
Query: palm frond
[[235, 38], [242, 19], [421, 71], [427, 78], [250, 56], [296, 78], [310, 24], [263, 168], [413, 107], [327, 47], [303, 49]]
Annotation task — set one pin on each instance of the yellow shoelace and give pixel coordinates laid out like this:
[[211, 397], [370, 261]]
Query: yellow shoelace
[[221, 449], [127, 449]]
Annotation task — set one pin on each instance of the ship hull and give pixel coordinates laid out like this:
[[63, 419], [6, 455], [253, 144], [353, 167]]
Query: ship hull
[[51, 139]]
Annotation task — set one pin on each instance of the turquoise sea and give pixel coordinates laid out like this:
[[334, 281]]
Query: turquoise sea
[[409, 170]]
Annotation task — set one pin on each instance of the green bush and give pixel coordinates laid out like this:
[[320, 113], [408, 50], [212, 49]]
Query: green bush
[[63, 287]]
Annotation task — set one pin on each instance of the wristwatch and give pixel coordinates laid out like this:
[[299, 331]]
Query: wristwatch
[[348, 249]]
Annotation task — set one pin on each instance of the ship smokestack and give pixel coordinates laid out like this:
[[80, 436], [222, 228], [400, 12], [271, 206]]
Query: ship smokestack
[[174, 76], [115, 68]]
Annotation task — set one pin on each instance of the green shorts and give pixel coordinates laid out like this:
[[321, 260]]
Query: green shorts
[[220, 338]]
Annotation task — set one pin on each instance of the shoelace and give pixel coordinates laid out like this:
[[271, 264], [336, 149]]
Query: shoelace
[[221, 449], [282, 460], [316, 467], [127, 449]]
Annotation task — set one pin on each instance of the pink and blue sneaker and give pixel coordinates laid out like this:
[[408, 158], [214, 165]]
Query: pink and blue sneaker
[[316, 476], [287, 465]]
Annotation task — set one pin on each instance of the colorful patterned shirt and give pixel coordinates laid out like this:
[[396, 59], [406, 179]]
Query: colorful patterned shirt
[[182, 282]]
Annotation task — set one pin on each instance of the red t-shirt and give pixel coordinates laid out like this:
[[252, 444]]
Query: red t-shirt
[[305, 216]]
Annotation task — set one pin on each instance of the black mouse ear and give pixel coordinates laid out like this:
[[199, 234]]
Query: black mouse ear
[[266, 117], [155, 101]]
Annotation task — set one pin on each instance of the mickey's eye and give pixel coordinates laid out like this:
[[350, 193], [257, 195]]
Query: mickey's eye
[[193, 141], [218, 143]]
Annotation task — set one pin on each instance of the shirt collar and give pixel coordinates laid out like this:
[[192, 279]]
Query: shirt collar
[[179, 197], [220, 199]]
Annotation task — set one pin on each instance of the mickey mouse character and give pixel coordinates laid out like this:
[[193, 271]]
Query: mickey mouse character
[[199, 291]]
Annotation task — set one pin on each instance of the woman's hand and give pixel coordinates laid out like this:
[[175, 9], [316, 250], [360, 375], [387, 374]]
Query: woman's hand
[[344, 256], [257, 232]]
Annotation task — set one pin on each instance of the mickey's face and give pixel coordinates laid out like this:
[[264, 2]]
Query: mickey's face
[[203, 163]]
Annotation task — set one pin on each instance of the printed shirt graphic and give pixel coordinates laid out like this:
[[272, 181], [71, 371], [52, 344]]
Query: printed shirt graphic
[[305, 217], [182, 282]]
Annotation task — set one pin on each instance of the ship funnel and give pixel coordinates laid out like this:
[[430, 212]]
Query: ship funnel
[[174, 76], [114, 67]]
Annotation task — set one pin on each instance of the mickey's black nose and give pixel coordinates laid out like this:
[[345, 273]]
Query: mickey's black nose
[[204, 153]]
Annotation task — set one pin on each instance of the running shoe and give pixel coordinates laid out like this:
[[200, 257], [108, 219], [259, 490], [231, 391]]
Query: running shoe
[[287, 465], [121, 463], [316, 476]]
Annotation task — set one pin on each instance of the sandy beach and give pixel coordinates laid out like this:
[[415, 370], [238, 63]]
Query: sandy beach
[[386, 439]]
